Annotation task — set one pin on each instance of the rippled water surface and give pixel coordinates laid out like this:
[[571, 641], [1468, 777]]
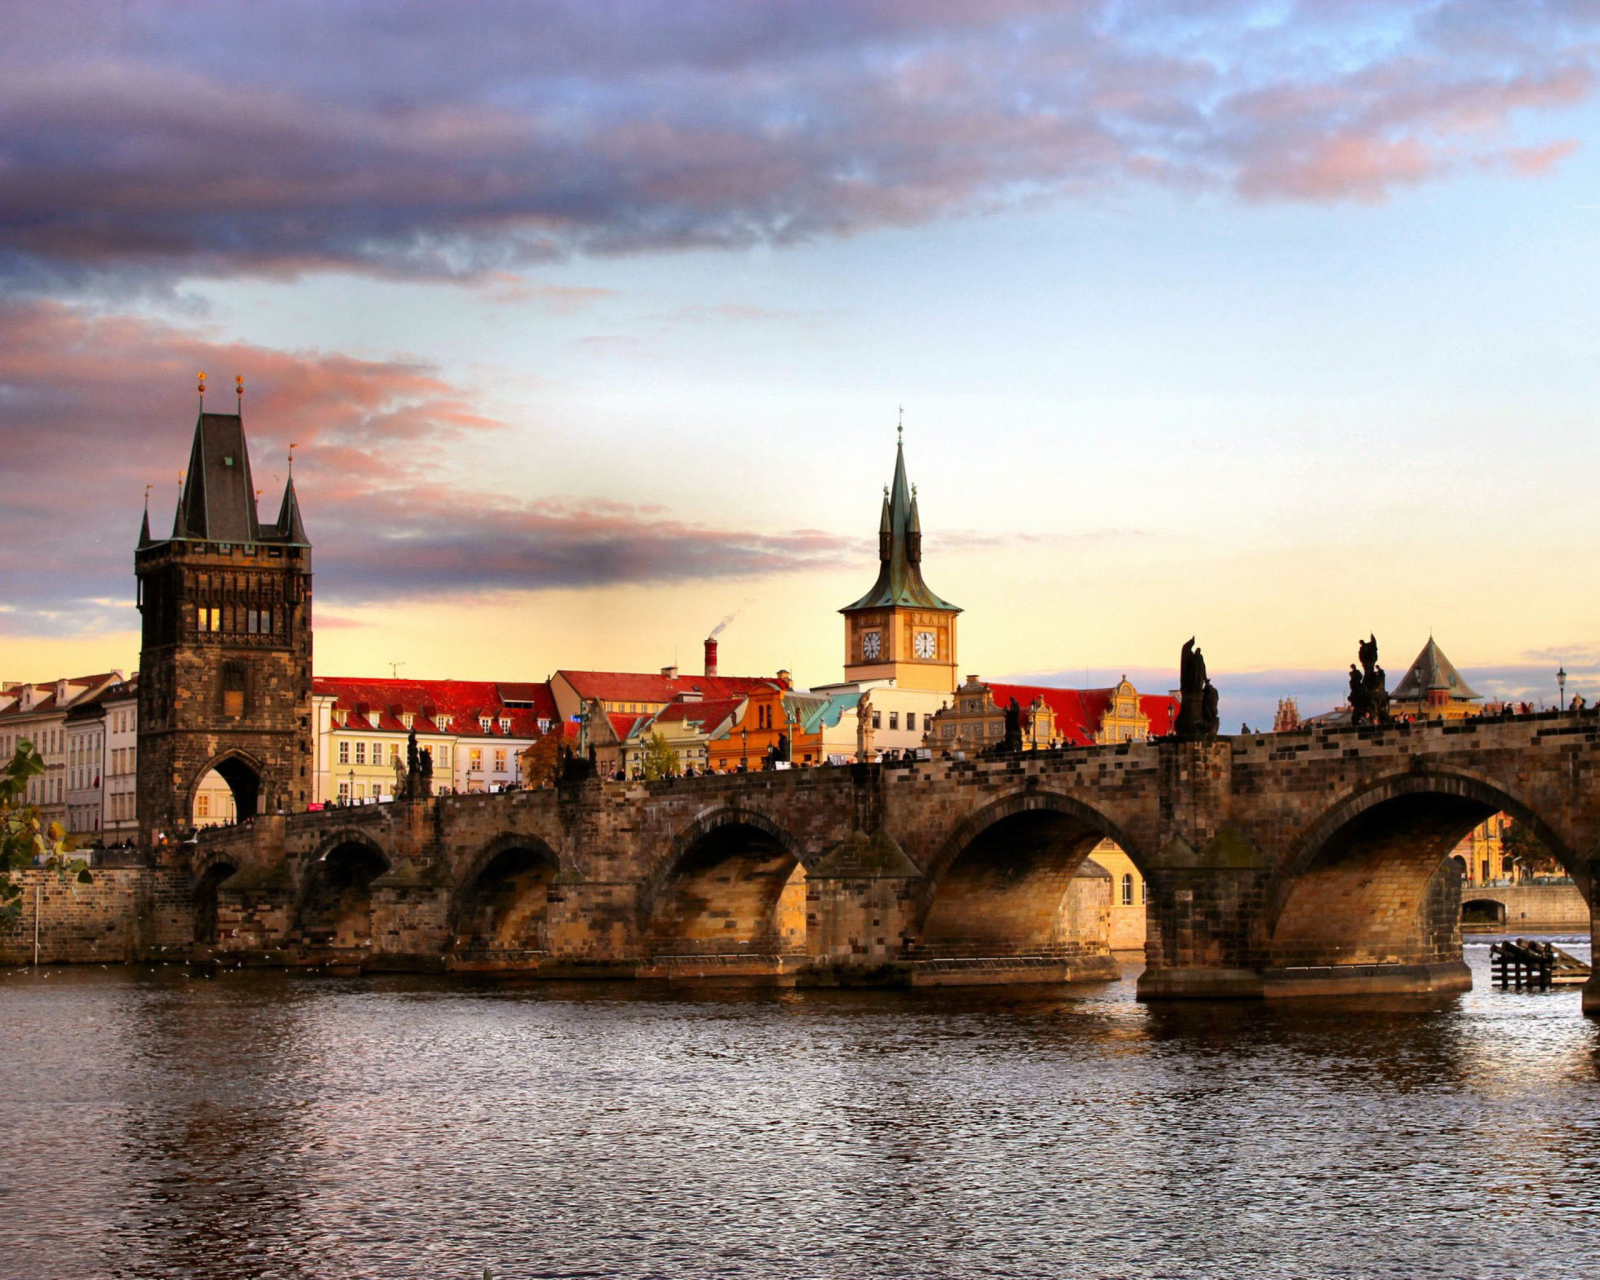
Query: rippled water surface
[[159, 1123]]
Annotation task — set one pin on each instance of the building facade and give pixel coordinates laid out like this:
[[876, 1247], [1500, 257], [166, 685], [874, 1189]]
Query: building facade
[[474, 730], [38, 713], [225, 656]]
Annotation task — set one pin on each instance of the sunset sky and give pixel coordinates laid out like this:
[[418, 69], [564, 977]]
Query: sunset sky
[[1274, 324]]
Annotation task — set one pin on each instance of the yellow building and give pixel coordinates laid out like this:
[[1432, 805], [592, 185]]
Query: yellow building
[[1128, 892]]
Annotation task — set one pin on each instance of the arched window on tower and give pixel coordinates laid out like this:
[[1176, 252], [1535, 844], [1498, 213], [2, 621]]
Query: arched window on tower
[[1127, 888]]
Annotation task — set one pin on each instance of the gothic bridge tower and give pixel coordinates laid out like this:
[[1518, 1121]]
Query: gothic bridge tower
[[225, 659]]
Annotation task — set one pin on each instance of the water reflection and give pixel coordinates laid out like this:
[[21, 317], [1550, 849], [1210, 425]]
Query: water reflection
[[268, 1125]]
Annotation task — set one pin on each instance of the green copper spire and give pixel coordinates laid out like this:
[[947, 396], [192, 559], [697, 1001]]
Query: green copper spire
[[900, 549]]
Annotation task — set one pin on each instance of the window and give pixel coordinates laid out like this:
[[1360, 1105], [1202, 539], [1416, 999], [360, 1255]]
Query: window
[[253, 621], [505, 724], [377, 753], [1144, 891], [407, 719], [500, 761], [344, 753], [544, 724], [202, 807], [394, 752], [344, 791], [894, 719], [877, 719], [911, 719], [444, 757], [361, 753], [1127, 889], [483, 724]]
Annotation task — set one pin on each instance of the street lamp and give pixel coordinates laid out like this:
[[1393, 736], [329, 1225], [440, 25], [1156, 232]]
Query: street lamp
[[744, 748], [351, 797], [1561, 686]]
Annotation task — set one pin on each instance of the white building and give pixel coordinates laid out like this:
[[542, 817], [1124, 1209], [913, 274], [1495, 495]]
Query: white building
[[37, 713]]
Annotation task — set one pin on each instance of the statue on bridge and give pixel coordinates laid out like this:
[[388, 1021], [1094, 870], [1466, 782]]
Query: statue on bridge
[[1012, 741], [1198, 715], [1369, 692], [864, 729], [413, 776]]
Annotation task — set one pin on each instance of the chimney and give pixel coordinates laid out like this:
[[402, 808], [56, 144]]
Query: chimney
[[784, 680], [711, 655], [671, 673]]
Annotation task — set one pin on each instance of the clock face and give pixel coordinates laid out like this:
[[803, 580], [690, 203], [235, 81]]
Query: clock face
[[871, 644], [926, 644]]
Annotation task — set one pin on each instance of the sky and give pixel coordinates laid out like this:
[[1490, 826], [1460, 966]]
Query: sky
[[591, 323]]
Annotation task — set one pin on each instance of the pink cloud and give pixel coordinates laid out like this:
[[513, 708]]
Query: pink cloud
[[375, 437]]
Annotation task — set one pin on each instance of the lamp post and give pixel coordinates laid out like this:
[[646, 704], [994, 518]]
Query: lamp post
[[351, 798], [1561, 688], [744, 748]]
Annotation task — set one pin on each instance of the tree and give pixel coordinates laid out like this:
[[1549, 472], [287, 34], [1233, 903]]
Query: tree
[[540, 761], [24, 840], [1519, 843], [659, 757]]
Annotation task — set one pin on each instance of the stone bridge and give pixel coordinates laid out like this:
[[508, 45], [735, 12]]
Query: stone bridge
[[1286, 864]]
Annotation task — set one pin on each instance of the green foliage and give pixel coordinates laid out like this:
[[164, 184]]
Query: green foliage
[[659, 757], [24, 840]]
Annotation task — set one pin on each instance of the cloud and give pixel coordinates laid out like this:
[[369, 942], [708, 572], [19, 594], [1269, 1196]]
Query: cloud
[[376, 441], [158, 140]]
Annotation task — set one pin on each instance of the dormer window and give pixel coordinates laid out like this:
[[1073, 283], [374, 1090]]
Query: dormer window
[[544, 724], [483, 724], [505, 724], [373, 717], [341, 718], [442, 721], [407, 719]]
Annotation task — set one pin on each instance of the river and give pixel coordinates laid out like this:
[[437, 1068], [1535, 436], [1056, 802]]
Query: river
[[161, 1123]]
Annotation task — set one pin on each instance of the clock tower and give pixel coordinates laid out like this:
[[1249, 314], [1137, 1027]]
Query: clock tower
[[900, 630]]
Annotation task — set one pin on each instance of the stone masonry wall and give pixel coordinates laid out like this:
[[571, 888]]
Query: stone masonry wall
[[127, 914]]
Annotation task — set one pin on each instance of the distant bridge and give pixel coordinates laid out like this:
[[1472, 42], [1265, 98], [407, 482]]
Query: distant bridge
[[1298, 863]]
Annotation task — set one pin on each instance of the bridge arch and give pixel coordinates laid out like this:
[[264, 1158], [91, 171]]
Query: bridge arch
[[731, 884], [500, 907], [1003, 881], [208, 874], [335, 901], [1373, 882], [246, 778]]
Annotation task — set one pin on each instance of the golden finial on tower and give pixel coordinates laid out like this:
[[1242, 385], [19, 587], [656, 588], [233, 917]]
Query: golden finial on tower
[[202, 391], [238, 389], [292, 448]]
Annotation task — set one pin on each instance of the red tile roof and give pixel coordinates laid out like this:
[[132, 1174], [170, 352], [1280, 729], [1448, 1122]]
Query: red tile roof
[[708, 715], [1079, 712], [637, 686], [464, 701]]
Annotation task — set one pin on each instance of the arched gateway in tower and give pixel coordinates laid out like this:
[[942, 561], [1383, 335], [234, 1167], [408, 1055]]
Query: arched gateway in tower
[[225, 658]]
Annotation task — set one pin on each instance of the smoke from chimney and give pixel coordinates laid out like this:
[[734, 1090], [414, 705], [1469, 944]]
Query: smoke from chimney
[[711, 652]]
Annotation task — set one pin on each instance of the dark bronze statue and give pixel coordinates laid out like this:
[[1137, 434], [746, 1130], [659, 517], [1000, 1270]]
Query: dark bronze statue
[[424, 774], [1369, 687], [1198, 716], [1013, 739]]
